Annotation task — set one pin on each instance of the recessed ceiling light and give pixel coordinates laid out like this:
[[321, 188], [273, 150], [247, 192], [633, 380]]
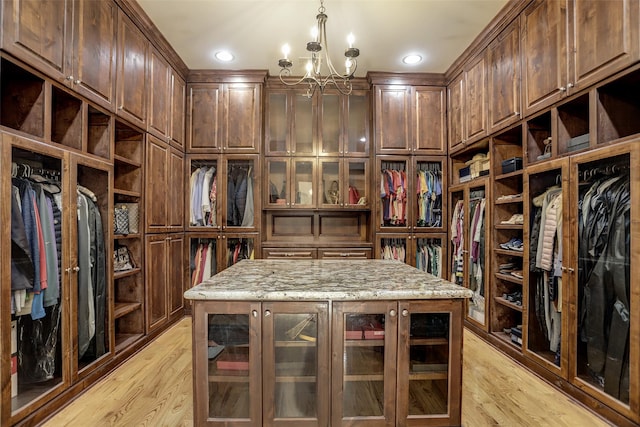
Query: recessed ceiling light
[[224, 56], [412, 59]]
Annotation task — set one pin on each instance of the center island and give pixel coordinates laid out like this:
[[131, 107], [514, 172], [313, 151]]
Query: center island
[[327, 343]]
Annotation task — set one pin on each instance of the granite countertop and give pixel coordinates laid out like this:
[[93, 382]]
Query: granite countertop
[[335, 280]]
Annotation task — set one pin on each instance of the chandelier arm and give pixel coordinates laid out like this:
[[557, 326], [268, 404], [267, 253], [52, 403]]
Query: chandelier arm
[[286, 72]]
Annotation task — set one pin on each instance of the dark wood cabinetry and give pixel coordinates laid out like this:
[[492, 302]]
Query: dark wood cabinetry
[[568, 45], [409, 119], [72, 41], [132, 74], [165, 170], [224, 117], [467, 102], [160, 95], [392, 128], [504, 105], [165, 275]]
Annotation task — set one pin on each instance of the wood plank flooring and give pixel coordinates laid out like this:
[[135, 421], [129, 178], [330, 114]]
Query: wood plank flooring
[[154, 388]]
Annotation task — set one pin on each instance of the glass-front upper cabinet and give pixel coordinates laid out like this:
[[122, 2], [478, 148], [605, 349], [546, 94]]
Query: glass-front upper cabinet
[[605, 231], [344, 124], [291, 182], [295, 355], [290, 127], [343, 182]]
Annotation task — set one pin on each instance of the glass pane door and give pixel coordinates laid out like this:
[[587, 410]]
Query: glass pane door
[[428, 363], [330, 126], [303, 182], [477, 237], [295, 359], [604, 280], [364, 360], [357, 189], [228, 366]]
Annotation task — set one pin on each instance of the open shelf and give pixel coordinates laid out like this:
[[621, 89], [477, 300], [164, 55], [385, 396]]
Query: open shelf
[[22, 97], [509, 304], [122, 309], [618, 109], [573, 122]]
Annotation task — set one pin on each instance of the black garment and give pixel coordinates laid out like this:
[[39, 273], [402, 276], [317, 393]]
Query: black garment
[[604, 270], [22, 270]]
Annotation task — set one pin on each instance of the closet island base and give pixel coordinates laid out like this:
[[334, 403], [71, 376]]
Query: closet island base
[[327, 343]]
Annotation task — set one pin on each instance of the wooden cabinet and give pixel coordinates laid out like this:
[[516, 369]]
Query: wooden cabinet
[[159, 95], [291, 123], [223, 193], [392, 118], [74, 42], [568, 45], [343, 128], [132, 75], [467, 101], [224, 117], [506, 240], [343, 183], [428, 120], [261, 349], [414, 193], [469, 245], [386, 353], [475, 99], [370, 378], [177, 110], [409, 119], [128, 279], [455, 112], [504, 78], [63, 335], [165, 275], [291, 182], [164, 210]]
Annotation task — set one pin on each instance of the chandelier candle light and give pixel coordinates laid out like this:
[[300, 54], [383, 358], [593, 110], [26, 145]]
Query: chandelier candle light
[[319, 49]]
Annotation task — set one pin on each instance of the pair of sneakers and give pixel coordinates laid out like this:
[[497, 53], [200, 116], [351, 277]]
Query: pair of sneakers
[[515, 244]]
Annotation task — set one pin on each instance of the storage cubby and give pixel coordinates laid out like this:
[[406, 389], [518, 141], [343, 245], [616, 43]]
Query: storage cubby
[[66, 119], [128, 284], [539, 138], [99, 133], [22, 97], [573, 125], [468, 165], [618, 108]]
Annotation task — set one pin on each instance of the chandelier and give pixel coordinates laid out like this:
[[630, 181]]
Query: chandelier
[[319, 50]]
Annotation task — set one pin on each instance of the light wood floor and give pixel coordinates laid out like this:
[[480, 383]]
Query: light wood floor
[[154, 388]]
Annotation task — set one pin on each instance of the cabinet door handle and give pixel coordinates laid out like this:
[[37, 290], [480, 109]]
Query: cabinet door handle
[[405, 312], [392, 313], [77, 82], [562, 89], [569, 85], [267, 313], [70, 78], [254, 313], [76, 268]]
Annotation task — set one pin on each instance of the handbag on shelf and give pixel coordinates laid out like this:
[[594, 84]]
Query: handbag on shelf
[[134, 215], [122, 259], [121, 219]]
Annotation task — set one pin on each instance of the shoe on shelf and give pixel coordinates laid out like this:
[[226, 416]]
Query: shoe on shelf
[[517, 273], [516, 245], [516, 219], [507, 245]]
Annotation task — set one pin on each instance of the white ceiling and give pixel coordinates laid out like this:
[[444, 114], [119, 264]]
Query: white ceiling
[[385, 30]]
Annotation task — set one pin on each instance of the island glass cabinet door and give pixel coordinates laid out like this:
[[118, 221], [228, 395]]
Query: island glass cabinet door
[[228, 351], [364, 363], [295, 364], [429, 371]]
